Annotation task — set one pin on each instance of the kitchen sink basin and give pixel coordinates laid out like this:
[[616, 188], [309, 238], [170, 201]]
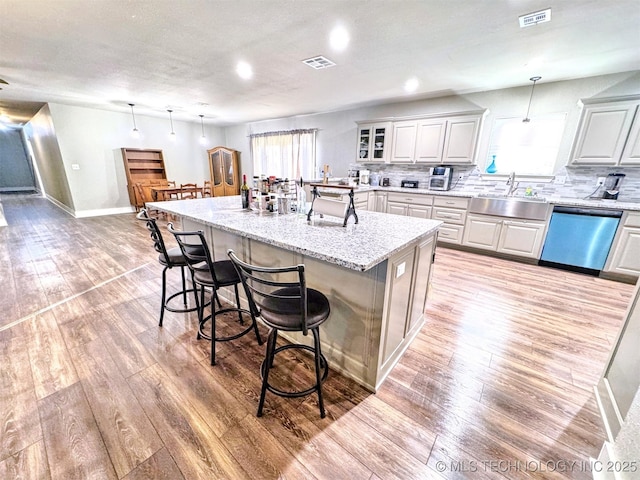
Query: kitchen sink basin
[[515, 197], [529, 208]]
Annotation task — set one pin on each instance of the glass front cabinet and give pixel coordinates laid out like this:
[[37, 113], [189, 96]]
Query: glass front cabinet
[[374, 142], [224, 170]]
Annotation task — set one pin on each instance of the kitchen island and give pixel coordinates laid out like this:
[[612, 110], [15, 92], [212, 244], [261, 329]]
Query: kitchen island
[[374, 273]]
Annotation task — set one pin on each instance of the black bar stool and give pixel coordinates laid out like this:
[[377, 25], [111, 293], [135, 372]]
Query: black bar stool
[[283, 301], [213, 275], [168, 258]]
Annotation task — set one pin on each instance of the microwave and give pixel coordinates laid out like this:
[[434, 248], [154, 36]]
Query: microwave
[[440, 178]]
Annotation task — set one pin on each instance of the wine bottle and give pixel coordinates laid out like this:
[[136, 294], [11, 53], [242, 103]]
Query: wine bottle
[[245, 192]]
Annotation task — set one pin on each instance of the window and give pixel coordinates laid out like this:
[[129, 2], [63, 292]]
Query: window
[[527, 148], [284, 154]]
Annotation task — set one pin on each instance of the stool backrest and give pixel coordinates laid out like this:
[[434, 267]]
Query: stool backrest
[[195, 250], [156, 236], [280, 290]]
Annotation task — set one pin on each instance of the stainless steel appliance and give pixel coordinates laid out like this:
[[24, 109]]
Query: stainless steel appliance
[[440, 178], [409, 183], [612, 186], [579, 239]]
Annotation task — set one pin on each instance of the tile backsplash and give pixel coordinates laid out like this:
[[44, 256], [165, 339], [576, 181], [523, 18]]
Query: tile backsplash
[[580, 182]]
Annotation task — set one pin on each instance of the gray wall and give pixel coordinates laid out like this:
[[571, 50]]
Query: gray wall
[[336, 140], [15, 167]]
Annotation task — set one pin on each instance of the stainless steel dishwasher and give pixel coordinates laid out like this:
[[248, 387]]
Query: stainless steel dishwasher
[[579, 239]]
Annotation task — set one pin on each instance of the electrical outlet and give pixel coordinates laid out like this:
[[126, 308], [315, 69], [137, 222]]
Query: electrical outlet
[[600, 181]]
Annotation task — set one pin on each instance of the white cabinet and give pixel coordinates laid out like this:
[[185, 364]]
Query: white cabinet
[[625, 252], [380, 199], [411, 205], [453, 212], [449, 140], [608, 134], [482, 231], [373, 142], [461, 139], [518, 237], [523, 238]]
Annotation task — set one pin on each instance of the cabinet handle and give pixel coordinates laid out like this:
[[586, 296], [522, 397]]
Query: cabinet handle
[[450, 203]]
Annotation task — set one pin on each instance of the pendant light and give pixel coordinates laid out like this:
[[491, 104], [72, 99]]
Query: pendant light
[[526, 119], [172, 134], [134, 133], [203, 139]]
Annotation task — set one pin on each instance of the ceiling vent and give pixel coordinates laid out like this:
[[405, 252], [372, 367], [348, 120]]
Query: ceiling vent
[[531, 19], [318, 62]]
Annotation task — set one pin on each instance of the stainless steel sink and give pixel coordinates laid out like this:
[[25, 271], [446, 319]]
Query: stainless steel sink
[[529, 208]]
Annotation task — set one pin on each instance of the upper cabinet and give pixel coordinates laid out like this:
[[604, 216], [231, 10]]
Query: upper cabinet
[[373, 142], [224, 170], [448, 140], [608, 134]]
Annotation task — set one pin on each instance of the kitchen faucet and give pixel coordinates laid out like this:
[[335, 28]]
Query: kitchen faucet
[[513, 185]]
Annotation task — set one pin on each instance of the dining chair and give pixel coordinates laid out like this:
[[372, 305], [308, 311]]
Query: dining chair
[[281, 299], [206, 190], [189, 191], [212, 275]]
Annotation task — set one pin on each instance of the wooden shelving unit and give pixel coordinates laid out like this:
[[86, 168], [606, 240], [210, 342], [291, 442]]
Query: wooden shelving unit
[[144, 166]]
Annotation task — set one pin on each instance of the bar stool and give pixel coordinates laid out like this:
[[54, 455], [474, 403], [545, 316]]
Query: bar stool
[[169, 259], [281, 298], [213, 275]]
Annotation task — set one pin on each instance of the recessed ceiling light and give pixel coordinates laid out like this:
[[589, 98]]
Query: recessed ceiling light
[[319, 62], [339, 38], [411, 85], [244, 70]]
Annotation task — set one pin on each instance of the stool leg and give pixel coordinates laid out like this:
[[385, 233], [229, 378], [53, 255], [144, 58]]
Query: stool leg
[[267, 364], [213, 329], [164, 294], [240, 319], [200, 310], [318, 354], [184, 287]]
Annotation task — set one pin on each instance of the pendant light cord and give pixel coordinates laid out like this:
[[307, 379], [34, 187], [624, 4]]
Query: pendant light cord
[[534, 80]]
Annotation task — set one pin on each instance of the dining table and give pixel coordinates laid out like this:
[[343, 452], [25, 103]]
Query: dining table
[[160, 192]]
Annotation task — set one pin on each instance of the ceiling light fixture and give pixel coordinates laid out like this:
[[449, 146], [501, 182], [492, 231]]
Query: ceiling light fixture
[[203, 139], [339, 38], [172, 134], [526, 119], [134, 133], [244, 70], [411, 85]]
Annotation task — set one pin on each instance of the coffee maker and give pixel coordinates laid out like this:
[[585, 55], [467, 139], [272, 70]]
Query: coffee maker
[[612, 186]]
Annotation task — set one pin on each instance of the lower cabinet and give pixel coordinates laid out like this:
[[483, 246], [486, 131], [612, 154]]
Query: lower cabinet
[[518, 237], [625, 252], [453, 212], [409, 205]]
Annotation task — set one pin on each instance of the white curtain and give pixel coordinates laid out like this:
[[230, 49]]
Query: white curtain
[[285, 154]]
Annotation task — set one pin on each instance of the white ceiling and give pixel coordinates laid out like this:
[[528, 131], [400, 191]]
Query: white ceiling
[[181, 54]]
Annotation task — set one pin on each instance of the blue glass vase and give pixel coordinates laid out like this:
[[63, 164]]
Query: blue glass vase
[[492, 166]]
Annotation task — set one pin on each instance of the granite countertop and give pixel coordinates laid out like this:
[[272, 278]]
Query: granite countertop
[[556, 200], [374, 239]]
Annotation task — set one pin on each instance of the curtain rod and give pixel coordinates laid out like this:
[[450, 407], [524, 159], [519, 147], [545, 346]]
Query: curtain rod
[[283, 132]]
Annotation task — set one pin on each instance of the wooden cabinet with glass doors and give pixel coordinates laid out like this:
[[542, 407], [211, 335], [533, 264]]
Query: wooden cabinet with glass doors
[[224, 169]]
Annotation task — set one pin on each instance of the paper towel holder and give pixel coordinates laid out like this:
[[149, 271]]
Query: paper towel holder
[[351, 208]]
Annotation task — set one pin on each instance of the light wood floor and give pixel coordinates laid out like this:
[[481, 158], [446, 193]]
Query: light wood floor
[[497, 385]]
